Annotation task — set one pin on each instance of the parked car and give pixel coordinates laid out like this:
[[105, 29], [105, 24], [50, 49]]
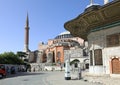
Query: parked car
[[2, 71]]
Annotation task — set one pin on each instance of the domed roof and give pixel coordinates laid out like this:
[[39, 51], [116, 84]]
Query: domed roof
[[92, 6], [65, 34]]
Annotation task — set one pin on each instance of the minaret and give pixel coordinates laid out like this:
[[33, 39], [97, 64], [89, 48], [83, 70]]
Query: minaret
[[26, 45]]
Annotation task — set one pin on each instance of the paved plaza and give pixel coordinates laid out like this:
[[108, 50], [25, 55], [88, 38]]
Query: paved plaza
[[56, 78]]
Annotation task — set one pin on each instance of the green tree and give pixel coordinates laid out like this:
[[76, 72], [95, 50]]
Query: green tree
[[10, 58], [21, 54]]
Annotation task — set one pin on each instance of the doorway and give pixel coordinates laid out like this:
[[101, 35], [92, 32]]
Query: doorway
[[115, 66]]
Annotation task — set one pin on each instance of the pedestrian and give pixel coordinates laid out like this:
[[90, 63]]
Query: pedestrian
[[7, 70]]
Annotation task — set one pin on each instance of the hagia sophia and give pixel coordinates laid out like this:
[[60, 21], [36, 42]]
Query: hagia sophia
[[62, 47]]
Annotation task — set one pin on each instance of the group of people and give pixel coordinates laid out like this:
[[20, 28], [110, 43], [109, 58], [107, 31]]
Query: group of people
[[14, 69]]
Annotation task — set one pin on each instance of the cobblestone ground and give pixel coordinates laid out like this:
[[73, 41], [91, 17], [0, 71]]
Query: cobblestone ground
[[43, 78]]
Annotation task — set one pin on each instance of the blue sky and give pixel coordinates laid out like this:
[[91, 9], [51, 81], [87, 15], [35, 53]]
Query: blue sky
[[46, 20]]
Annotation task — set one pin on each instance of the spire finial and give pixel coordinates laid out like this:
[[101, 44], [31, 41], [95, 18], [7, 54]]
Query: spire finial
[[91, 2], [106, 1], [27, 20]]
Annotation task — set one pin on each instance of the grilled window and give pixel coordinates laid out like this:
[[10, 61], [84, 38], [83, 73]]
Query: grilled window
[[113, 40], [98, 57]]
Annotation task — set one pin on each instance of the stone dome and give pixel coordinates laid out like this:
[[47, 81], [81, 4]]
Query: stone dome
[[65, 34], [91, 7]]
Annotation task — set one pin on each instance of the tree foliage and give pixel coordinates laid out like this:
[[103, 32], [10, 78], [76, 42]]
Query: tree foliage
[[21, 54], [10, 58]]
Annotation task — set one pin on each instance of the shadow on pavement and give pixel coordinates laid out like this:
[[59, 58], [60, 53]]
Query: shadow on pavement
[[24, 74]]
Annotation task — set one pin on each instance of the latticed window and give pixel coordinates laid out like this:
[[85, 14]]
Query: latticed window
[[98, 57], [113, 40]]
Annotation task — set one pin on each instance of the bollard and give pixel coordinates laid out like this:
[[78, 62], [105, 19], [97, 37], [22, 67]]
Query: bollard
[[67, 70]]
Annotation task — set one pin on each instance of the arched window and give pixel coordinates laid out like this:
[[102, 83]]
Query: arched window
[[115, 66]]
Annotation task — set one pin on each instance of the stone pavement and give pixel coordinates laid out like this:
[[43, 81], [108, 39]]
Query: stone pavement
[[58, 79], [105, 79]]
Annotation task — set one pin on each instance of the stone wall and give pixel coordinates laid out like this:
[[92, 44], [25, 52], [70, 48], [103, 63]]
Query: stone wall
[[73, 53], [76, 54]]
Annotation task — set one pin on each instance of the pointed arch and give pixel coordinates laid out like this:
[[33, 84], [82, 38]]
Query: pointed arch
[[115, 65]]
